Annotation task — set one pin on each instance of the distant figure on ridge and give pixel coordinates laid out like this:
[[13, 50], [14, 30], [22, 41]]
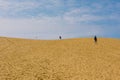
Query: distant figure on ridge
[[60, 37], [95, 39]]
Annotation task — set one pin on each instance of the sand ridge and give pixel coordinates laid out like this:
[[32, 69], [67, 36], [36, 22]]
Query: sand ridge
[[70, 59]]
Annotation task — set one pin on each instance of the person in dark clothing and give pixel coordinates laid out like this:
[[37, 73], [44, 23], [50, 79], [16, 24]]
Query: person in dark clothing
[[60, 37], [95, 39]]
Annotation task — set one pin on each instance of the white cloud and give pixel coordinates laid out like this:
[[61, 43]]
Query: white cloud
[[27, 4], [69, 24], [81, 15], [4, 5], [45, 28], [12, 5]]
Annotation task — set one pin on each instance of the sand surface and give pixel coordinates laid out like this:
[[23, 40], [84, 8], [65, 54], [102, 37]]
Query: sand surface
[[72, 59]]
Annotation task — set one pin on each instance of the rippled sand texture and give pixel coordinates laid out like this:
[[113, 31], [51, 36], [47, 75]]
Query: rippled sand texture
[[72, 59]]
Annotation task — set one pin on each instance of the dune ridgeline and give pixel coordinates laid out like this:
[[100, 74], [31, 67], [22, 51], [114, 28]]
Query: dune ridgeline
[[70, 59]]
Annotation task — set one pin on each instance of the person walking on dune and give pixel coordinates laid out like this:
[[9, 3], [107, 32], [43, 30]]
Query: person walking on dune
[[60, 37], [95, 39]]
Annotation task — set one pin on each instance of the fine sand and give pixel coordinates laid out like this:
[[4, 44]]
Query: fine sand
[[70, 59]]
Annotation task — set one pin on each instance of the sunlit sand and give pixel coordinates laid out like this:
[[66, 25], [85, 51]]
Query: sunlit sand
[[70, 59]]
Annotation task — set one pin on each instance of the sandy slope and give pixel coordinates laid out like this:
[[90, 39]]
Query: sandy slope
[[73, 59]]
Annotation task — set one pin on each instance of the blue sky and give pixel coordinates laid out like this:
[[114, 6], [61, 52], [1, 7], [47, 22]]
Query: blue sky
[[47, 19]]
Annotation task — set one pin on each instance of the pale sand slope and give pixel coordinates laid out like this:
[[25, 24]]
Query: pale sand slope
[[73, 59]]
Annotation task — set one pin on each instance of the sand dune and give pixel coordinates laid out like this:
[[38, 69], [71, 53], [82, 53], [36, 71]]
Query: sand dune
[[72, 59]]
